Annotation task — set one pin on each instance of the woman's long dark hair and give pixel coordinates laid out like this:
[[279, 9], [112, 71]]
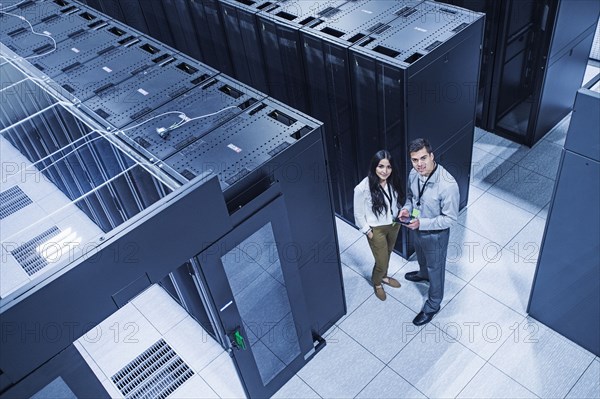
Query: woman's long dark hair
[[379, 206]]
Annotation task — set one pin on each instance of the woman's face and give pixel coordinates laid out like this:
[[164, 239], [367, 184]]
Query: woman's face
[[383, 169]]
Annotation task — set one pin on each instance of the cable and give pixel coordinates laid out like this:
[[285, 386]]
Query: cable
[[12, 5], [164, 132], [35, 33]]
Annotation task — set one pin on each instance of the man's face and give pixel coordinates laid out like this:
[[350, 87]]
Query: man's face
[[422, 161]]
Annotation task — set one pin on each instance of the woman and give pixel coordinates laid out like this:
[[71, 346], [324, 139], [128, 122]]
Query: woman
[[375, 209]]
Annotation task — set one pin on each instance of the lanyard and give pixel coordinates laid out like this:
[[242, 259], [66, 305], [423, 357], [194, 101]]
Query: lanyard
[[388, 196], [422, 190]]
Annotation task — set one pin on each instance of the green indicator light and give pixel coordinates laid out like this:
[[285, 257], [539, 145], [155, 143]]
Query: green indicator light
[[239, 340]]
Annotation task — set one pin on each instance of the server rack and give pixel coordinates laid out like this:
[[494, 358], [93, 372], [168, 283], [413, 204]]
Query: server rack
[[418, 79], [325, 42], [182, 28], [157, 22], [278, 27], [533, 64], [239, 22], [280, 178], [420, 73], [567, 304], [211, 35], [135, 97]]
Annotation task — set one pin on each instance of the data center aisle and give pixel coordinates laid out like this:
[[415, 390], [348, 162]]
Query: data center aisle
[[481, 344]]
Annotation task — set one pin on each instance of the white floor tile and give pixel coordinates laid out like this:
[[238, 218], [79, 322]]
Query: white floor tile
[[436, 364], [295, 388], [491, 383], [527, 243], [159, 308], [486, 168], [193, 344], [507, 278], [541, 360], [524, 188], [194, 387], [388, 384], [383, 327], [543, 159], [495, 219], [468, 252], [119, 339], [474, 193], [222, 377], [558, 134], [477, 321], [342, 369], [502, 147], [347, 235], [357, 289], [588, 385], [414, 295]]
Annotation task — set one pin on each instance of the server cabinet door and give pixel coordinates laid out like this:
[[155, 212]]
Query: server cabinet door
[[255, 287]]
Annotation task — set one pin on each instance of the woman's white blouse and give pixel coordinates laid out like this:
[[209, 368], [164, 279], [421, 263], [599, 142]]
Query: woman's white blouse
[[363, 213]]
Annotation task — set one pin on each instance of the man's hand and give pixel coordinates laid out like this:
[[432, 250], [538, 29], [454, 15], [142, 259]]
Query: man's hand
[[414, 225]]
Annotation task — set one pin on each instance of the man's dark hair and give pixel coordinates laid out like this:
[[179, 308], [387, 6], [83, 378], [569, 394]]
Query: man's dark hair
[[418, 144]]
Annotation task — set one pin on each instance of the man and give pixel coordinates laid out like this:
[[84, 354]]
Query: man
[[432, 204]]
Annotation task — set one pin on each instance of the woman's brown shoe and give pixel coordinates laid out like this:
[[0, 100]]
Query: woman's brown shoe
[[392, 282], [380, 293]]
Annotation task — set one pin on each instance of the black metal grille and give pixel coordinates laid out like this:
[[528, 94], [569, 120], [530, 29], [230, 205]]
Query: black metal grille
[[156, 373], [27, 254], [12, 200]]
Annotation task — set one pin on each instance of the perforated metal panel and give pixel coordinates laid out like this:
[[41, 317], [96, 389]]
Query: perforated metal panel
[[418, 30], [49, 31], [110, 68], [351, 22], [98, 38], [12, 200], [144, 92], [243, 144], [30, 255], [156, 373], [207, 106]]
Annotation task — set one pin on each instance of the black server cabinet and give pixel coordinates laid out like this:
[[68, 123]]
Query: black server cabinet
[[565, 294], [133, 15], [158, 21], [325, 43], [255, 149], [239, 22], [534, 58], [142, 93], [182, 28], [418, 80], [278, 27], [210, 34]]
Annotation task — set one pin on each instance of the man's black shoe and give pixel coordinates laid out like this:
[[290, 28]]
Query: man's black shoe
[[423, 318], [414, 277]]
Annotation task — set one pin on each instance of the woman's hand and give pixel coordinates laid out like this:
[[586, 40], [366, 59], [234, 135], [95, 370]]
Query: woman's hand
[[370, 234]]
